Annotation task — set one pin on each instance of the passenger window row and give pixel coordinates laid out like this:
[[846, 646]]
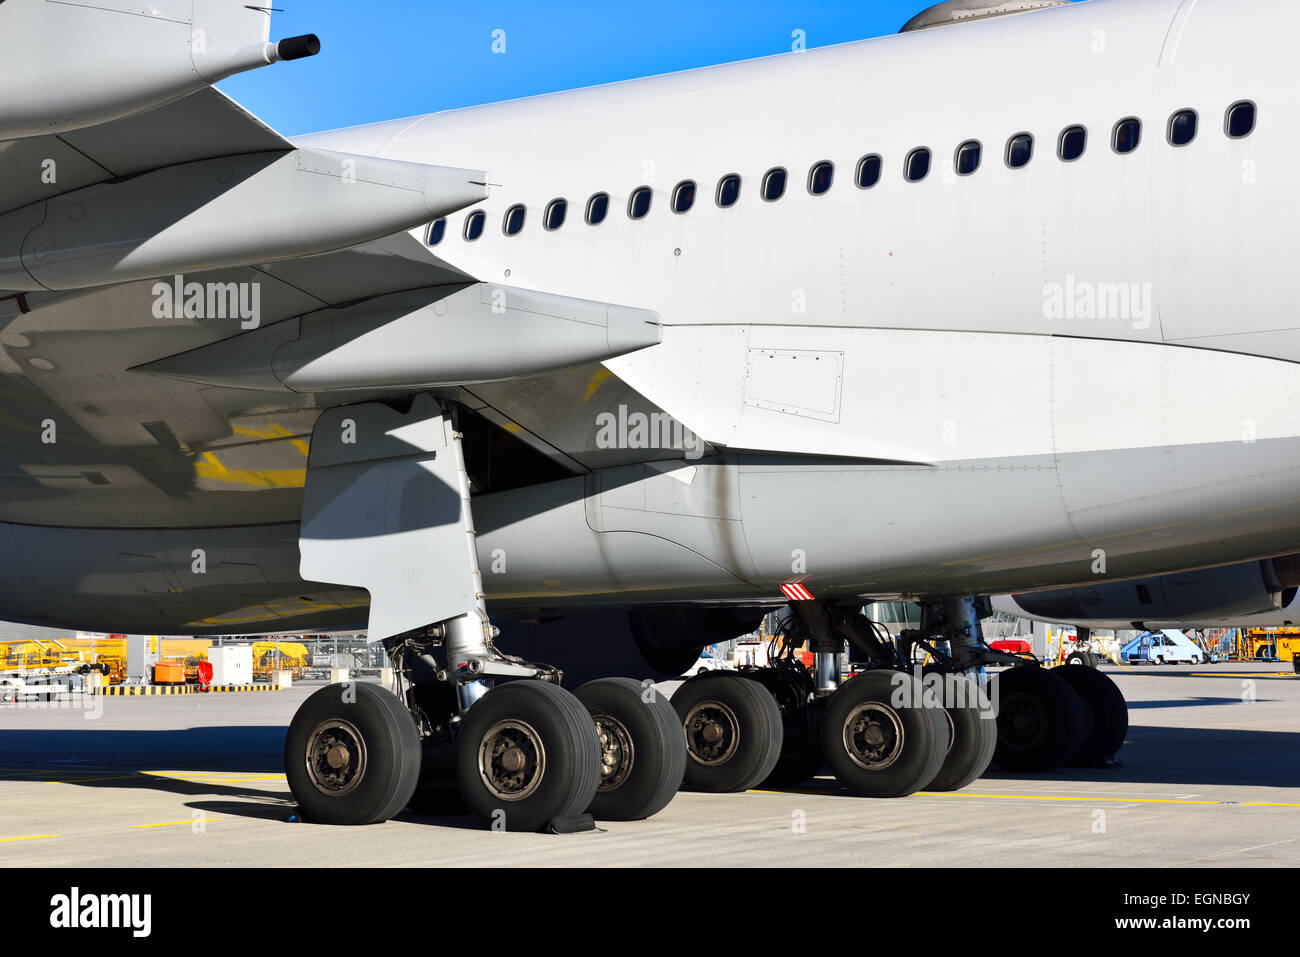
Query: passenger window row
[[1126, 136]]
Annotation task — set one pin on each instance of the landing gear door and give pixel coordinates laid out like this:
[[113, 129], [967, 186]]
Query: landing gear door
[[382, 511]]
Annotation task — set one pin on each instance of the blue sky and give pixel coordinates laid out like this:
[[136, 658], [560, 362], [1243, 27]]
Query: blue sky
[[382, 59]]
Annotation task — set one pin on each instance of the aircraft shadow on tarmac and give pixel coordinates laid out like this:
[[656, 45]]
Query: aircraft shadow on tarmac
[[1180, 703], [110, 758]]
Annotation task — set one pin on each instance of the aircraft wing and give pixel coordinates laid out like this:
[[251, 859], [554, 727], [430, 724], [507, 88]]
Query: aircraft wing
[[127, 180], [204, 125]]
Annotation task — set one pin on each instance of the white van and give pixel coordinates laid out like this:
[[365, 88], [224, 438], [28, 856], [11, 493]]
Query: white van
[[1162, 648]]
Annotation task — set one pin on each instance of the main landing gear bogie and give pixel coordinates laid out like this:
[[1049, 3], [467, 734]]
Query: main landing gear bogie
[[878, 733]]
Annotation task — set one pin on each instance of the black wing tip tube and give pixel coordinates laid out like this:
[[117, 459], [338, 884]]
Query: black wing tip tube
[[296, 48]]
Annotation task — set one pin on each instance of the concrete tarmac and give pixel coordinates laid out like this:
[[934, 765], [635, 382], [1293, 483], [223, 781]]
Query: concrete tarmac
[[1210, 775]]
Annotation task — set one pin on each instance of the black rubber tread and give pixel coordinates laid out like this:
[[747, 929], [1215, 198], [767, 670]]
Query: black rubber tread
[[659, 748], [1063, 715], [392, 748], [572, 754], [925, 735], [760, 731], [1108, 712], [974, 739]]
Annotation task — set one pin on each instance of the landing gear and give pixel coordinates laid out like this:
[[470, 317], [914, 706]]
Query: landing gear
[[352, 755], [643, 752], [1105, 716], [386, 507], [733, 731], [879, 738], [1040, 719], [973, 736], [528, 757]]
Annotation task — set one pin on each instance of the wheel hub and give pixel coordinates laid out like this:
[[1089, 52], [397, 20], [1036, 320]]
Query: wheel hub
[[336, 756], [616, 750], [712, 733], [1023, 723], [873, 736], [511, 760]]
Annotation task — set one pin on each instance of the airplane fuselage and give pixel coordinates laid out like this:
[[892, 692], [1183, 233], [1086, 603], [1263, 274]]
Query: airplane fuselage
[[998, 380]]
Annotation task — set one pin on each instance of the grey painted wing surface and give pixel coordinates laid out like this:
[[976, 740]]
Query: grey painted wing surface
[[202, 126]]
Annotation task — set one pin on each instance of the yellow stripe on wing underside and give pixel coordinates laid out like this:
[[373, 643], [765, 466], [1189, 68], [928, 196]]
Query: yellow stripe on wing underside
[[210, 466]]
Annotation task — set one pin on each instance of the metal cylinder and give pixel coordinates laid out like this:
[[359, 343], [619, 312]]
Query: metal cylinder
[[826, 669]]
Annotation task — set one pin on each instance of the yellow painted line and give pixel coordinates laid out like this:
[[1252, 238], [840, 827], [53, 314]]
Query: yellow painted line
[[212, 777], [204, 820], [1067, 797], [29, 837]]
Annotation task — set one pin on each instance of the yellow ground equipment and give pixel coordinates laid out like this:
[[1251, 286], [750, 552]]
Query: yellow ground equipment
[[272, 656], [1282, 643]]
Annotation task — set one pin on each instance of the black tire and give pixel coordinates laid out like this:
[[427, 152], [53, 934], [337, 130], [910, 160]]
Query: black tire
[[879, 738], [643, 749], [748, 722], [1040, 719], [365, 726], [1076, 658], [549, 730], [1094, 659], [1105, 716], [973, 736]]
